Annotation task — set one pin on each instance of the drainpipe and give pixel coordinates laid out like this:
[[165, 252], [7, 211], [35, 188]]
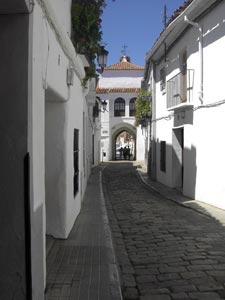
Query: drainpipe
[[200, 45]]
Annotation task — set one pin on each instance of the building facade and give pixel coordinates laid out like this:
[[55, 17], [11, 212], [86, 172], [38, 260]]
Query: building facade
[[184, 71], [119, 85], [46, 150]]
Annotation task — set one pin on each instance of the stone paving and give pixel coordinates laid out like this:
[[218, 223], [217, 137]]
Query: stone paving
[[165, 251]]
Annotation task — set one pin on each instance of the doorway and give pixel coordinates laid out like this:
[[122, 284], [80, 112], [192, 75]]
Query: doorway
[[178, 158]]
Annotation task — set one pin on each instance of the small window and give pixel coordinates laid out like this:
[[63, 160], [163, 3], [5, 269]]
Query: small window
[[96, 110], [76, 161], [163, 156], [163, 79], [132, 107], [119, 107]]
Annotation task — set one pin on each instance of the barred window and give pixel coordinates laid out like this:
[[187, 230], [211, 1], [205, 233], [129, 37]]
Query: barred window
[[132, 107], [76, 161], [163, 156], [162, 79], [119, 107]]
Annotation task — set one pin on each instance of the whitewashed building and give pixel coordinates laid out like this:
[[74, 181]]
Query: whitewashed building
[[185, 72], [118, 86], [46, 150]]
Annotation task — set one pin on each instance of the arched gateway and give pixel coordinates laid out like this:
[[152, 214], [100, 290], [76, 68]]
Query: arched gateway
[[118, 86], [123, 135]]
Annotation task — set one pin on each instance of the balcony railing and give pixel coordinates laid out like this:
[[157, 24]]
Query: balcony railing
[[179, 89]]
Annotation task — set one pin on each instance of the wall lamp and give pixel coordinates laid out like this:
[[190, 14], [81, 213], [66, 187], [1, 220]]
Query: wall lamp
[[104, 105], [102, 58], [96, 109]]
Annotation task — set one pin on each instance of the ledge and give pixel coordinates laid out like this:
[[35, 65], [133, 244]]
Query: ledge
[[181, 106]]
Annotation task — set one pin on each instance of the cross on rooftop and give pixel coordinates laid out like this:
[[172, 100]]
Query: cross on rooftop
[[124, 51]]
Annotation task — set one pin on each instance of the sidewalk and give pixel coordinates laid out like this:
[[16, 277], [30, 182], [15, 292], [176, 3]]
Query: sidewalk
[[83, 267], [178, 197]]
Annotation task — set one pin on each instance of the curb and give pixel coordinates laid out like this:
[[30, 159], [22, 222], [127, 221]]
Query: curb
[[114, 272], [145, 182]]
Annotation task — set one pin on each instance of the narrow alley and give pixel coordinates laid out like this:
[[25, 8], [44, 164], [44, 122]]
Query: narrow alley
[[112, 155], [164, 250]]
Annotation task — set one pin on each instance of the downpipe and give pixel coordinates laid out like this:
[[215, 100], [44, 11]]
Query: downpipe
[[200, 46]]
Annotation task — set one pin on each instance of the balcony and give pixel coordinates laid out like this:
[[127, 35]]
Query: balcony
[[179, 90]]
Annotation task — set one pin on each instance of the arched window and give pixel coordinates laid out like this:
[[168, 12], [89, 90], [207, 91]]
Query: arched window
[[132, 107], [119, 107]]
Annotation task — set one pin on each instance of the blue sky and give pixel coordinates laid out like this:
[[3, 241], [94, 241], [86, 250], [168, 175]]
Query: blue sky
[[134, 23]]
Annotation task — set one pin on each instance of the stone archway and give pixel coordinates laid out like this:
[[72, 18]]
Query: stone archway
[[117, 131]]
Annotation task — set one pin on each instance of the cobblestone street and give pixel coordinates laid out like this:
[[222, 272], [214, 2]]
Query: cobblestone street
[[165, 251]]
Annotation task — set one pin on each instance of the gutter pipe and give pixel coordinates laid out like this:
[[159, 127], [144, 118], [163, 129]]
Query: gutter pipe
[[200, 46]]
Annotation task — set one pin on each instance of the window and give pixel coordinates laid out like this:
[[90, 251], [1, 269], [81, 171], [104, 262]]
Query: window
[[163, 156], [119, 107], [132, 107], [76, 161], [84, 143], [96, 110], [163, 79], [93, 149], [183, 68]]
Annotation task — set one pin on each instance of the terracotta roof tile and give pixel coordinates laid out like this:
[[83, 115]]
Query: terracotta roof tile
[[116, 90], [175, 14], [178, 11], [124, 65]]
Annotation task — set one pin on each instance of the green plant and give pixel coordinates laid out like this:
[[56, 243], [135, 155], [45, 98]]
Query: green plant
[[87, 34], [142, 107]]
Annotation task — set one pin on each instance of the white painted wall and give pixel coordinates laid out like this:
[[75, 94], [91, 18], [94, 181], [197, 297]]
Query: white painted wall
[[54, 111], [140, 144], [62, 9], [204, 146], [36, 147], [120, 78]]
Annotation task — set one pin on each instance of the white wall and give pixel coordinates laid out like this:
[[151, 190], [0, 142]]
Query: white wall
[[203, 144], [55, 110], [140, 144], [122, 78], [36, 137], [62, 9]]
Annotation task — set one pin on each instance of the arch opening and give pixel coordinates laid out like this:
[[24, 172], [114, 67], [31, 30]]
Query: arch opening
[[124, 145]]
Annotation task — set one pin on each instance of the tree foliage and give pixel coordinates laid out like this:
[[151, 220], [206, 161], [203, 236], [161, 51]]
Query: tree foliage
[[142, 107], [86, 29]]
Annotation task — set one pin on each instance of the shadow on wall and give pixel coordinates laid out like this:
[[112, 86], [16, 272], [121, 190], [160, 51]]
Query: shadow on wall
[[174, 165]]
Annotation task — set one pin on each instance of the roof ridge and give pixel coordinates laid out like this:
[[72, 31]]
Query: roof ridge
[[124, 65], [100, 90]]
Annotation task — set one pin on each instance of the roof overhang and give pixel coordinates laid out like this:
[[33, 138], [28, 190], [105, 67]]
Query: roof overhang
[[15, 6], [177, 27]]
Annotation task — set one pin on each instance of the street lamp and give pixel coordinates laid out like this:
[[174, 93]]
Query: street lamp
[[102, 58]]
